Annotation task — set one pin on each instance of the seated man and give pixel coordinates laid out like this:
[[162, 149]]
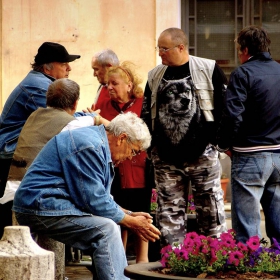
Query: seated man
[[40, 127], [65, 193]]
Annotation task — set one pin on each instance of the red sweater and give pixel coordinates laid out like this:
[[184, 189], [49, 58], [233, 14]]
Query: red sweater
[[132, 172]]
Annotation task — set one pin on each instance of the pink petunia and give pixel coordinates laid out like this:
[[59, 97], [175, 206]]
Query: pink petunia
[[253, 243], [185, 254], [213, 257], [235, 257], [214, 243], [154, 196], [204, 249], [242, 247], [227, 244], [226, 236], [192, 235], [166, 249], [188, 242]]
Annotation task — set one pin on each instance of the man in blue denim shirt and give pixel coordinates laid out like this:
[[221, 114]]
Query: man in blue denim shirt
[[65, 193], [51, 62]]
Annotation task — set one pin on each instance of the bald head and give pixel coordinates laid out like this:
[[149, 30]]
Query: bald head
[[177, 35]]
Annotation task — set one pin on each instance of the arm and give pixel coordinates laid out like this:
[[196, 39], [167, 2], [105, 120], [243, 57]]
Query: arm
[[234, 107], [219, 81], [146, 107]]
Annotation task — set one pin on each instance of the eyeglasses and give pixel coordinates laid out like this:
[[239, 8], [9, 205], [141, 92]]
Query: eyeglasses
[[158, 49], [133, 151]]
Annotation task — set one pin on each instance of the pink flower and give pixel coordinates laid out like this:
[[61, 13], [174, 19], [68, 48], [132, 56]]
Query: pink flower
[[154, 195], [184, 254], [253, 243], [235, 257], [192, 235], [213, 243], [204, 249], [166, 249], [228, 244], [199, 254], [188, 242], [213, 256], [242, 247]]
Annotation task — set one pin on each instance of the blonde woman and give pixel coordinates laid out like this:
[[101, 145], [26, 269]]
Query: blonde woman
[[128, 188]]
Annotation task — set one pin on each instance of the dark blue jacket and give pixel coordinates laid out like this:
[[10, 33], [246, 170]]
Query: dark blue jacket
[[252, 105]]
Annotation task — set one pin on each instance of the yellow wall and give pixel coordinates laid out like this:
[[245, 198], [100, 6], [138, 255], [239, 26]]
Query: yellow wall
[[129, 27]]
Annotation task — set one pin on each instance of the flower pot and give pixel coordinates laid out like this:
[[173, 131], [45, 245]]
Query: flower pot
[[147, 271], [224, 183]]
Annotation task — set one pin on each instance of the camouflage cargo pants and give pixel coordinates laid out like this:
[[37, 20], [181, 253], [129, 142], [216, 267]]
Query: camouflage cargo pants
[[172, 187]]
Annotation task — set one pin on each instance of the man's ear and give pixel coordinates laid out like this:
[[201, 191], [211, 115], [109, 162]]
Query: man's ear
[[121, 138], [181, 47], [46, 70], [245, 51]]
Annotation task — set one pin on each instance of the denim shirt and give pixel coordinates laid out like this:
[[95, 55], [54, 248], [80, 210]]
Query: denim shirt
[[28, 96], [72, 175]]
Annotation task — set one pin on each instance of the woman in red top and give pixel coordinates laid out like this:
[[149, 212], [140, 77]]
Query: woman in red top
[[128, 187]]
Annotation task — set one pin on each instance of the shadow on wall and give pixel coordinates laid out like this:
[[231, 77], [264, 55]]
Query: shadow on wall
[[226, 169]]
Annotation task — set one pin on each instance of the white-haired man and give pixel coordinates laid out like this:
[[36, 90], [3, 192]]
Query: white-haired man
[[101, 63], [65, 193]]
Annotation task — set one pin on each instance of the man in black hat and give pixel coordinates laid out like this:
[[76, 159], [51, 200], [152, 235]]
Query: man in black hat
[[50, 63]]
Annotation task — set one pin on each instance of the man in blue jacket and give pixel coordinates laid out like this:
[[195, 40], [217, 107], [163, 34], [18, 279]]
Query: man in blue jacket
[[50, 63], [65, 193], [250, 134]]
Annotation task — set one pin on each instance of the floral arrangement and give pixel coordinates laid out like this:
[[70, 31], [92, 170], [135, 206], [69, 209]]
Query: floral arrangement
[[191, 205], [154, 204], [206, 255]]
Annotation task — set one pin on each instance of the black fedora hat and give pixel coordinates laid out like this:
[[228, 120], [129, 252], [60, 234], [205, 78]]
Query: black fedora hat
[[53, 52]]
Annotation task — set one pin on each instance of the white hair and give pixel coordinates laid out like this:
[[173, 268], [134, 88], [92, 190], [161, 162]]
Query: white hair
[[133, 126]]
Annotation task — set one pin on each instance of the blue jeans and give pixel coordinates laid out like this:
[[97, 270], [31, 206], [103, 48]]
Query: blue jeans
[[255, 181], [98, 234]]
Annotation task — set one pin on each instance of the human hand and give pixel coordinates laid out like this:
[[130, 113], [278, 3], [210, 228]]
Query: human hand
[[142, 226], [147, 215], [91, 109]]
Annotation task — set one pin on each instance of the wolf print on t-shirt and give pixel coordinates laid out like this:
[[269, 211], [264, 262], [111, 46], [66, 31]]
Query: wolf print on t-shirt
[[178, 108]]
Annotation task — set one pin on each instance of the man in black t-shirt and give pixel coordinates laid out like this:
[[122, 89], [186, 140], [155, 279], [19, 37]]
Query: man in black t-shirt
[[182, 108]]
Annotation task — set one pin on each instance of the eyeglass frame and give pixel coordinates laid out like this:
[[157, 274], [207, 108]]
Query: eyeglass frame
[[133, 151], [164, 50]]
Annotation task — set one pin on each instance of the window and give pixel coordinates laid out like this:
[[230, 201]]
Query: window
[[212, 26]]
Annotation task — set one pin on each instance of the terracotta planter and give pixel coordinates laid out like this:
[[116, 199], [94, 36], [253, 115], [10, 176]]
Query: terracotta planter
[[224, 183]]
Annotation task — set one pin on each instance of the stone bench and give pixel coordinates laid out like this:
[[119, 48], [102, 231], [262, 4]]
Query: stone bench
[[22, 258], [52, 245]]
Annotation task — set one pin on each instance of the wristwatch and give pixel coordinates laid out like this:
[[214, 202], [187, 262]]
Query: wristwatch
[[221, 150]]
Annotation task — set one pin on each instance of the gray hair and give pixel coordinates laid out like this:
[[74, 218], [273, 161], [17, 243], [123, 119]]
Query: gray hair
[[106, 57], [41, 67], [63, 93], [133, 126]]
